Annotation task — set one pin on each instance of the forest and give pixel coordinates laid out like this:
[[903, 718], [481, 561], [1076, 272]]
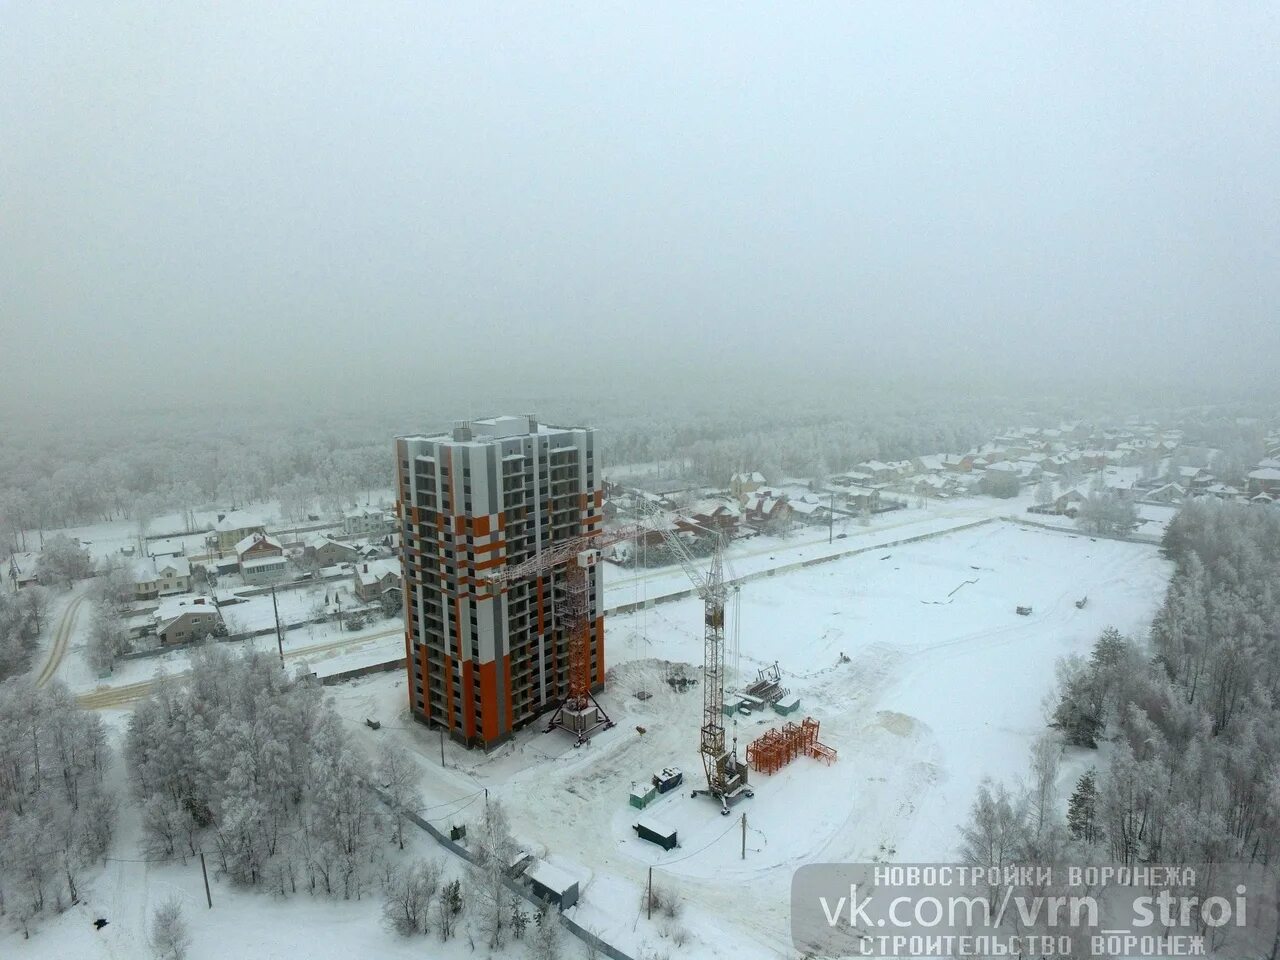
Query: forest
[[1183, 721]]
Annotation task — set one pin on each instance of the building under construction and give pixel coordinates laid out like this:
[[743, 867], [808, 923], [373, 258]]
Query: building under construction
[[484, 659]]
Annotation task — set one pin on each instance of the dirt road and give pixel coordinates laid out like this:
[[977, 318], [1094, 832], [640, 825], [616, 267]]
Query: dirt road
[[61, 640]]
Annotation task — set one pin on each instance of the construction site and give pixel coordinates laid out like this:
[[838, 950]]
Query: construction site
[[743, 727]]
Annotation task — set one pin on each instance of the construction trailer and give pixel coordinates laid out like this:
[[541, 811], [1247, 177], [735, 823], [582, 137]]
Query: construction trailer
[[642, 794], [787, 705], [667, 779], [657, 832], [552, 884]]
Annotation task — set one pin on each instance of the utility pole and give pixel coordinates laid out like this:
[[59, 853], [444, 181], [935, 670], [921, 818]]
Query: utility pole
[[831, 518], [279, 639], [744, 834], [204, 870], [442, 746], [648, 897]]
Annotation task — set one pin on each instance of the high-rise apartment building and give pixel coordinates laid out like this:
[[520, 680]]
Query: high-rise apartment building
[[484, 660]]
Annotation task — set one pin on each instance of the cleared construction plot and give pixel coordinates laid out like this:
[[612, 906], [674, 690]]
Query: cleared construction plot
[[922, 689]]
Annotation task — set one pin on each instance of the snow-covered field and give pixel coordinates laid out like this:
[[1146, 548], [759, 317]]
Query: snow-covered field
[[944, 686]]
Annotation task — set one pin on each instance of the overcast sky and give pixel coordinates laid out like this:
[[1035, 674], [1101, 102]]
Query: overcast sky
[[360, 198]]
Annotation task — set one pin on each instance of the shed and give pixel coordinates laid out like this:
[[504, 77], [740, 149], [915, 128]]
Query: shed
[[657, 832], [731, 705], [642, 795], [552, 884], [788, 704]]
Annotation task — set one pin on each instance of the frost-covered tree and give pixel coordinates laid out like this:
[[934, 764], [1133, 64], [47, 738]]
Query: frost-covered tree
[[108, 638], [62, 562], [20, 625], [1044, 490], [169, 936], [241, 759], [408, 896], [1082, 809], [495, 850], [546, 942], [56, 816], [1107, 514], [398, 776]]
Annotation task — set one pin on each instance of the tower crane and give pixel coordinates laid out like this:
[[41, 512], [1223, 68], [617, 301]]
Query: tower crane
[[726, 774], [579, 713]]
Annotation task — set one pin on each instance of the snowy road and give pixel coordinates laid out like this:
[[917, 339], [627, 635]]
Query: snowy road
[[106, 697], [61, 640]]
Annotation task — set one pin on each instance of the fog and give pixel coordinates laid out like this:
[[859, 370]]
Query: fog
[[440, 203]]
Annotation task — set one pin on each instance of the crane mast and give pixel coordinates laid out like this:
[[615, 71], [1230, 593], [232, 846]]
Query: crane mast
[[579, 712], [726, 775]]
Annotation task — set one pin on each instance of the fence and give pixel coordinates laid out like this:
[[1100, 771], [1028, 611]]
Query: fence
[[797, 565], [519, 889], [1149, 541]]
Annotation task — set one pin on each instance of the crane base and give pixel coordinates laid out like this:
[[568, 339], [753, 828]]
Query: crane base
[[581, 719]]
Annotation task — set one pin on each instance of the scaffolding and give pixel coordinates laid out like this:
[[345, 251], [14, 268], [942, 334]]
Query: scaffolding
[[774, 749]]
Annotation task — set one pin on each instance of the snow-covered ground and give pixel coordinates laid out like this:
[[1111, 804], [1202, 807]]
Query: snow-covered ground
[[944, 686], [250, 924]]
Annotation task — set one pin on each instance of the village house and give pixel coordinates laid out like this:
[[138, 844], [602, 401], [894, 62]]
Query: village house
[[261, 559], [710, 517], [179, 619], [367, 522], [371, 579], [809, 512], [232, 528], [166, 547], [1266, 480], [768, 512], [1167, 493], [741, 484], [21, 570], [861, 499], [324, 551], [157, 577], [878, 470]]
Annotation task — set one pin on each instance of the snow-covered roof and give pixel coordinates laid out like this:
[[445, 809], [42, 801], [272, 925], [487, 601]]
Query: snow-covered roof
[[806, 508], [1266, 473], [149, 569], [655, 825], [373, 571], [238, 520], [167, 547], [753, 477], [363, 512], [171, 608], [551, 877], [263, 563], [254, 538]]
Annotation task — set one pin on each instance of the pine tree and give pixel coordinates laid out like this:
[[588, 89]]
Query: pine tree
[[1082, 808]]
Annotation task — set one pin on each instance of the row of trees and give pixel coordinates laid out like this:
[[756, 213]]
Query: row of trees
[[56, 816], [1190, 775], [60, 477]]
